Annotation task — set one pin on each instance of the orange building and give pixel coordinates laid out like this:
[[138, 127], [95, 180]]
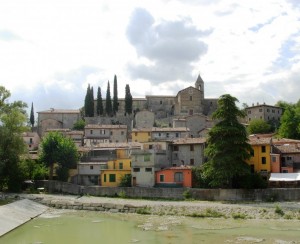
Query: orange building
[[174, 177]]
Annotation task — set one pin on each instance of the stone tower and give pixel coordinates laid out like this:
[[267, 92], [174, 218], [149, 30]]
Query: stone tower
[[199, 84]]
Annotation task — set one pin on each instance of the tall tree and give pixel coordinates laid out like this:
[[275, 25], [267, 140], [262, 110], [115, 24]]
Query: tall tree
[[57, 149], [99, 103], [115, 98], [89, 102], [108, 105], [290, 122], [32, 117], [227, 145], [12, 124], [128, 100], [258, 126]]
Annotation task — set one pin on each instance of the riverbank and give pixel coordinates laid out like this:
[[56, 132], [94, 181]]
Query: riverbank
[[212, 209]]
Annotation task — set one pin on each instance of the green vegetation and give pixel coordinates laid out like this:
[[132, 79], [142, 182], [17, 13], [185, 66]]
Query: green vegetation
[[128, 100], [89, 102], [108, 105], [259, 126], [56, 149], [79, 125], [278, 210], [100, 109], [208, 213], [12, 123], [144, 210], [125, 181], [115, 98], [122, 194], [239, 215], [227, 147], [31, 119], [187, 194]]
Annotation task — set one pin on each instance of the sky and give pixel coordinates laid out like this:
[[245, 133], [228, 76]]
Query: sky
[[51, 50]]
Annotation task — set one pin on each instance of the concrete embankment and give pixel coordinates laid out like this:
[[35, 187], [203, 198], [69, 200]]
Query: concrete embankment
[[17, 213]]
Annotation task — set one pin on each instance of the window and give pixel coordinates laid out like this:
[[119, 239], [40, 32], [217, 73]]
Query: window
[[120, 165], [285, 171], [161, 178], [191, 98], [149, 134], [252, 153], [30, 140], [136, 169], [177, 134], [249, 112], [175, 148], [268, 110], [150, 146], [111, 133], [112, 177], [263, 149], [191, 147], [260, 110], [167, 134], [91, 132], [146, 158], [135, 133], [91, 167], [104, 178], [192, 162], [102, 132], [160, 102], [148, 169], [122, 133], [263, 160], [273, 159], [159, 134], [178, 177], [289, 158]]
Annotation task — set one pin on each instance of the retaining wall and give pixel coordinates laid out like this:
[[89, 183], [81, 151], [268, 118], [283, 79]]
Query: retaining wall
[[269, 194]]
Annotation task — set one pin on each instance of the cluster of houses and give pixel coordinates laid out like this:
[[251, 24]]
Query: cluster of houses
[[113, 147]]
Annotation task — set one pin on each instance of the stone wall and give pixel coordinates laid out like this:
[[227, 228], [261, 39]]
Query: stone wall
[[270, 194]]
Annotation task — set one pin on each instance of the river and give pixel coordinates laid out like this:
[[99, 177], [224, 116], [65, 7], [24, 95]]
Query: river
[[76, 227]]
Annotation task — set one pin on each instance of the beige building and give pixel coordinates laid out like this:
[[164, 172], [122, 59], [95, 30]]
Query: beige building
[[264, 112], [96, 134], [57, 119], [32, 140]]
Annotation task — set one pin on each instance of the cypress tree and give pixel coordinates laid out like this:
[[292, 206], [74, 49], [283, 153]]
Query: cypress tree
[[115, 98], [108, 105], [32, 116], [128, 100], [99, 103], [86, 102], [91, 103]]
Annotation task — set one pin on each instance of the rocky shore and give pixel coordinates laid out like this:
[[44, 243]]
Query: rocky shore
[[202, 209]]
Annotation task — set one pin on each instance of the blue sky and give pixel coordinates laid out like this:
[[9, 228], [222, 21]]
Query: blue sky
[[51, 50]]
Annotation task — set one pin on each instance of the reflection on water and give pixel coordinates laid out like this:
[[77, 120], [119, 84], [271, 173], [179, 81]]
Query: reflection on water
[[61, 226]]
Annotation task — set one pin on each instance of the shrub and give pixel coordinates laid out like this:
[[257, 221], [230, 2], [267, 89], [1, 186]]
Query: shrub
[[279, 210], [187, 194]]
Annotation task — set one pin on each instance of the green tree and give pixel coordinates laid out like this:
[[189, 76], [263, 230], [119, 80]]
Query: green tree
[[115, 98], [57, 149], [125, 181], [79, 125], [89, 102], [12, 124], [108, 105], [100, 109], [290, 122], [128, 100], [32, 117], [227, 146], [258, 126]]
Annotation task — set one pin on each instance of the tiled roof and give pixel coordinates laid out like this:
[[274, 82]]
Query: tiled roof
[[181, 167], [181, 141], [162, 129], [96, 126], [288, 148], [60, 111], [259, 141]]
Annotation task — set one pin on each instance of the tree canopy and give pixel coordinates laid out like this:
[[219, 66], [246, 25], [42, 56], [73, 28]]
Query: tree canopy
[[128, 100], [115, 98], [259, 126], [89, 102], [12, 124], [100, 109], [57, 149], [227, 146], [290, 121], [108, 105], [32, 116]]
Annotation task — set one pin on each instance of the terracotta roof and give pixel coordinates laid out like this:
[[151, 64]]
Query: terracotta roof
[[116, 145], [288, 148], [182, 167], [161, 129], [181, 141], [96, 126], [259, 141], [60, 111]]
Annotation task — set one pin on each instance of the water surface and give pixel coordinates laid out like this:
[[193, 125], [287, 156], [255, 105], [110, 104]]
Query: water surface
[[96, 227]]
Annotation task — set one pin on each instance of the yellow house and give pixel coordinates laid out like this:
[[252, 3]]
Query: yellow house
[[260, 156], [116, 169], [141, 135]]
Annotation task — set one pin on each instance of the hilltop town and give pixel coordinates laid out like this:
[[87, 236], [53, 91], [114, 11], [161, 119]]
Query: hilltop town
[[160, 143]]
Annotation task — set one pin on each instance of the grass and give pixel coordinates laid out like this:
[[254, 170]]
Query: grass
[[143, 210], [5, 201], [278, 210], [239, 216], [209, 213]]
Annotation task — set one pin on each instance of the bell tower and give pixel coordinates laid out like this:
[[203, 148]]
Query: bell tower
[[199, 85]]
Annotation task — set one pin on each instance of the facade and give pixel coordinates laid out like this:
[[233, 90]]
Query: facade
[[96, 134], [168, 133], [187, 151], [174, 177], [264, 112], [144, 119], [32, 140], [260, 156], [57, 119]]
